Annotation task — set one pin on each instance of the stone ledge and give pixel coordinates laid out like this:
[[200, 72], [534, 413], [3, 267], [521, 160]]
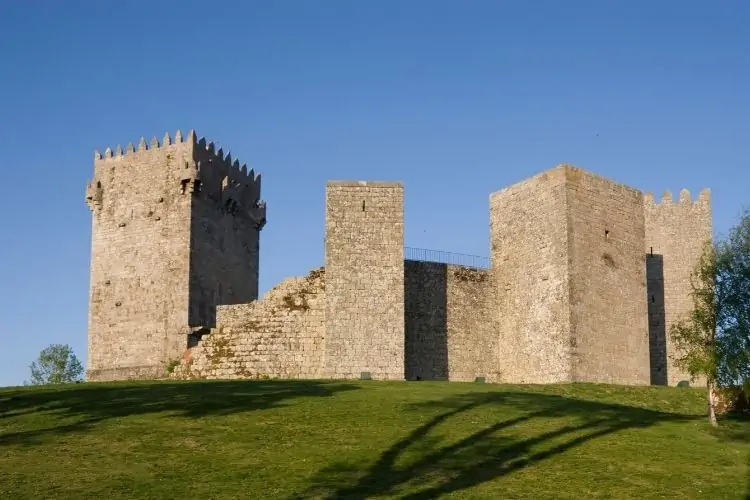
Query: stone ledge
[[375, 184]]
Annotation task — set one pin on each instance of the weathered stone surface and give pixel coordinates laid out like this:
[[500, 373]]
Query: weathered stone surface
[[529, 249], [676, 232], [449, 332], [609, 314], [572, 279], [586, 277], [280, 336], [165, 251], [365, 280]]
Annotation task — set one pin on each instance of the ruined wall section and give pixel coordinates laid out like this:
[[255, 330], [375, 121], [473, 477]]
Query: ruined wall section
[[226, 219], [529, 249], [139, 259], [449, 323], [280, 336], [364, 262], [676, 232], [609, 328]]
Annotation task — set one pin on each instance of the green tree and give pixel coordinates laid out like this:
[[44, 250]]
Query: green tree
[[733, 266], [695, 336], [714, 341], [57, 364]]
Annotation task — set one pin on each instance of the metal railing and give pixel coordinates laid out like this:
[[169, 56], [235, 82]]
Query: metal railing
[[441, 257]]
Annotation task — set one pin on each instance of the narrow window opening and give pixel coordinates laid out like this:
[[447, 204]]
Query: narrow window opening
[[363, 205], [652, 251], [653, 299], [606, 234]]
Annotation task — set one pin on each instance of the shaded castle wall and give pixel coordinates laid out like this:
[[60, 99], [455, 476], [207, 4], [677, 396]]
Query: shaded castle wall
[[227, 216], [609, 327], [529, 248], [449, 327], [280, 336], [656, 319], [364, 265], [139, 260], [676, 232]]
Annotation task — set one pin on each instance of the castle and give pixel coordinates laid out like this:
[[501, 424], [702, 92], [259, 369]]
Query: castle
[[585, 277]]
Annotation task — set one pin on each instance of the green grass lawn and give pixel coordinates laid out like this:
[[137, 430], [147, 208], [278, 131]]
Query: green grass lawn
[[417, 440]]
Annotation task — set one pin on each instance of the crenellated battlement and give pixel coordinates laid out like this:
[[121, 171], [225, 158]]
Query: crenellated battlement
[[202, 167], [215, 156], [118, 153], [684, 198], [225, 180]]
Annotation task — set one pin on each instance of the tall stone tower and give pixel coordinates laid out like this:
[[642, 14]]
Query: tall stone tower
[[570, 271], [175, 232], [676, 232], [364, 262]]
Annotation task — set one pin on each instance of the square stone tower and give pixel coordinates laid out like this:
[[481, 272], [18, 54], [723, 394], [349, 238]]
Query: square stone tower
[[364, 262], [570, 271], [676, 232], [175, 232]]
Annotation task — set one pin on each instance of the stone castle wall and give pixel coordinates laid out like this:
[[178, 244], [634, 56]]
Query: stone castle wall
[[529, 248], [364, 265], [609, 327], [280, 336], [174, 233], [586, 277], [449, 332], [283, 335], [676, 232], [139, 261], [224, 235], [577, 296]]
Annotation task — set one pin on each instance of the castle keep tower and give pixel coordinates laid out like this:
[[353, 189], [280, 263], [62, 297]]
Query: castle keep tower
[[568, 261], [175, 232], [364, 265]]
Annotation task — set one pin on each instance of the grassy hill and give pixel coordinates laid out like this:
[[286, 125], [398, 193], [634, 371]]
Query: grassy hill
[[417, 440]]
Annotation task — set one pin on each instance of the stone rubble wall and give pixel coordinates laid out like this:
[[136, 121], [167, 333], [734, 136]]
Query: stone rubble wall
[[280, 336], [449, 334]]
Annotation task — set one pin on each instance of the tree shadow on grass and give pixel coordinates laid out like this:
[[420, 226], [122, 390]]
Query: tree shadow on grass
[[422, 466], [733, 427], [88, 404]]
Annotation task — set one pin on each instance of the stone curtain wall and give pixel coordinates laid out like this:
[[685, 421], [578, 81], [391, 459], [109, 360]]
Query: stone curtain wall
[[365, 279], [609, 327], [571, 294], [529, 246], [676, 231], [139, 260], [449, 327], [280, 336]]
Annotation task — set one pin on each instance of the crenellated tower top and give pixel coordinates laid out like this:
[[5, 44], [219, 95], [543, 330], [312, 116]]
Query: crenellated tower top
[[200, 166], [685, 198]]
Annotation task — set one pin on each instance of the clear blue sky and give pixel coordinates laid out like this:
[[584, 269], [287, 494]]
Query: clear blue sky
[[456, 99]]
